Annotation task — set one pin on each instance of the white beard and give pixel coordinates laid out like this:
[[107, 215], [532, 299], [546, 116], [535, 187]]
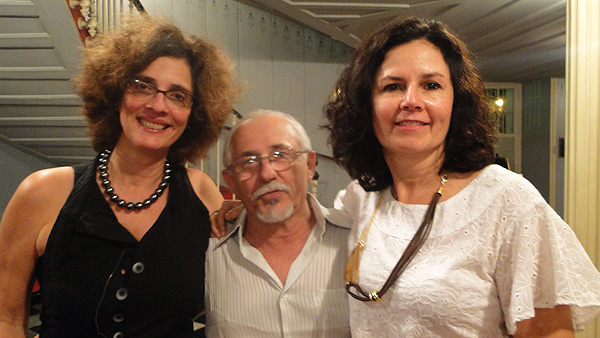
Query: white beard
[[274, 215]]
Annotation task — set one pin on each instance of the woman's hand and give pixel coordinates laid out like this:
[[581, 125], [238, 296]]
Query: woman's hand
[[230, 210]]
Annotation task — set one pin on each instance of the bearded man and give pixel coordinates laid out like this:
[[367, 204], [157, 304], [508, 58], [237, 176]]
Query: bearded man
[[279, 270]]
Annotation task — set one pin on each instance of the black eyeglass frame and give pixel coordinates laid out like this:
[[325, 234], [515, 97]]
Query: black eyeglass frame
[[166, 93]]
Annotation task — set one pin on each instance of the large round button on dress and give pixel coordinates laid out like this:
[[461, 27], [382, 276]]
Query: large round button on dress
[[122, 293], [117, 318], [119, 335], [138, 268]]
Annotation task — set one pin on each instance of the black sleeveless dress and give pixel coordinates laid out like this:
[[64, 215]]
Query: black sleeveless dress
[[97, 280]]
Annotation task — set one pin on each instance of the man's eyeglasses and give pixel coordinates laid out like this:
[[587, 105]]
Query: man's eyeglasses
[[248, 166], [176, 98]]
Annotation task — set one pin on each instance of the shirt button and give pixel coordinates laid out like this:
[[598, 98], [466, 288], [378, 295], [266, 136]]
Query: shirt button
[[138, 268], [117, 318], [121, 293], [119, 335]]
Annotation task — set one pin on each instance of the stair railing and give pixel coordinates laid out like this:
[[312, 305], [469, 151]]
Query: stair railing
[[95, 16]]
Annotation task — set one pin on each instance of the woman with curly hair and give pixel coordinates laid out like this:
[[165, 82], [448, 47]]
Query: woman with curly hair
[[410, 124], [118, 244]]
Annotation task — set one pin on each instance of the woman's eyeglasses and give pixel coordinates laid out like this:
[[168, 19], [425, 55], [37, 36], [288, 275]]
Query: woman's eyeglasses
[[176, 98]]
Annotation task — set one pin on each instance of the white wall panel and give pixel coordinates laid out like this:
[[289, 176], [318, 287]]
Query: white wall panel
[[163, 9], [288, 68], [198, 21], [222, 26], [342, 54], [255, 62], [182, 14], [319, 83], [332, 179]]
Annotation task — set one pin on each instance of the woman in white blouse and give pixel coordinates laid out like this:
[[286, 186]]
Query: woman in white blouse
[[446, 244]]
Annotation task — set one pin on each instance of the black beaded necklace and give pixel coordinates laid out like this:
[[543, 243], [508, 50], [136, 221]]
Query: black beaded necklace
[[108, 189]]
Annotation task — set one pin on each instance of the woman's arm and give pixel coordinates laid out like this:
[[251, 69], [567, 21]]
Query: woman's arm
[[550, 323], [205, 189], [31, 212]]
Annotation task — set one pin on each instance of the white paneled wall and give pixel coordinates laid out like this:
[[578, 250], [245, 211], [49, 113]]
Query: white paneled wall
[[222, 25], [282, 65], [319, 72], [288, 68], [255, 63]]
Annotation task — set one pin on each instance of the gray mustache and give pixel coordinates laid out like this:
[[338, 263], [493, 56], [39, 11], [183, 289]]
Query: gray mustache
[[271, 186]]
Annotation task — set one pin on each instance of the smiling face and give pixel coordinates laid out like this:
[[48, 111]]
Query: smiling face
[[412, 100], [269, 195], [153, 124]]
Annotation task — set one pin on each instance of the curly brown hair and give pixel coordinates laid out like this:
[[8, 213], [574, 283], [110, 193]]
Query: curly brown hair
[[469, 144], [115, 57]]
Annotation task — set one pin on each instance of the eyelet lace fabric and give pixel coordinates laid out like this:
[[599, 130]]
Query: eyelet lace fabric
[[496, 252]]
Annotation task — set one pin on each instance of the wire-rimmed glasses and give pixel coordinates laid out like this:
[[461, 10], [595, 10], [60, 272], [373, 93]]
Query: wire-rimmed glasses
[[280, 160]]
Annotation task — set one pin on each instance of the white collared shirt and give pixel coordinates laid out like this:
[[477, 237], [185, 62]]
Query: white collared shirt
[[245, 298]]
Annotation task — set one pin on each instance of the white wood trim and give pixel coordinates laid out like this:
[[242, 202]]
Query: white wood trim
[[582, 124]]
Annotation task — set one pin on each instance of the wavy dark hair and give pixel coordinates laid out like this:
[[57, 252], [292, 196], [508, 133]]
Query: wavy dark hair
[[115, 57], [469, 144]]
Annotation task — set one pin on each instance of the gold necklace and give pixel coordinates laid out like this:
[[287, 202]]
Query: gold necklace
[[353, 263]]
